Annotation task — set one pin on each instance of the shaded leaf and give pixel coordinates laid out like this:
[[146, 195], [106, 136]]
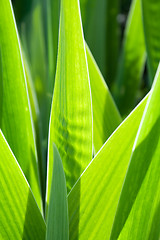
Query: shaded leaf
[[132, 60], [57, 221], [52, 15], [37, 125], [105, 114], [101, 31], [151, 21]]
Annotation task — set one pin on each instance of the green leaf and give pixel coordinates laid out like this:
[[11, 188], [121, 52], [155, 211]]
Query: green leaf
[[151, 21], [20, 216], [32, 36], [57, 221], [101, 31], [94, 198], [140, 196], [71, 115], [37, 125], [22, 8], [106, 117], [132, 60], [15, 115], [52, 14]]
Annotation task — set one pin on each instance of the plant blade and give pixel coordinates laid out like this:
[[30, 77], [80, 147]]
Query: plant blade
[[106, 117], [15, 118], [101, 32], [20, 215], [93, 200], [132, 60], [71, 114], [57, 221], [151, 21], [142, 179]]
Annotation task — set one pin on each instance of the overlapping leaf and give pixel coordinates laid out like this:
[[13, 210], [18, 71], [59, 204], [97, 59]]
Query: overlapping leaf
[[37, 124], [20, 215], [105, 114], [32, 36], [140, 197], [15, 118], [94, 198], [57, 222], [71, 116], [52, 16], [132, 60], [101, 31], [151, 21]]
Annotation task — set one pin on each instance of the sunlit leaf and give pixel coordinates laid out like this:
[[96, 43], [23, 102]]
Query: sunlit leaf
[[71, 116], [140, 197], [94, 198], [20, 215], [15, 114]]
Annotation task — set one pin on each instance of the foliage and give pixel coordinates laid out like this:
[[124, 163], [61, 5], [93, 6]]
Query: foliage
[[79, 159]]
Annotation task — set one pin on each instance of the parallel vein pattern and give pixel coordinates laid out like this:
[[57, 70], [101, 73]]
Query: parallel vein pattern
[[20, 216], [71, 116], [93, 200], [140, 195], [15, 115]]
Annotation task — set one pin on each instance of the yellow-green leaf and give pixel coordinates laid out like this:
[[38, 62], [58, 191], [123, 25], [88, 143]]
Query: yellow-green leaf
[[94, 198], [71, 114], [140, 197], [15, 114], [20, 217]]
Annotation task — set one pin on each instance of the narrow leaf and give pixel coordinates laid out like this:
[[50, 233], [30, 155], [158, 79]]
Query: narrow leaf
[[94, 198], [52, 16], [140, 196], [37, 125], [71, 116], [101, 32], [15, 114], [151, 21], [32, 36], [105, 114], [131, 64], [57, 222], [20, 215], [106, 117]]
